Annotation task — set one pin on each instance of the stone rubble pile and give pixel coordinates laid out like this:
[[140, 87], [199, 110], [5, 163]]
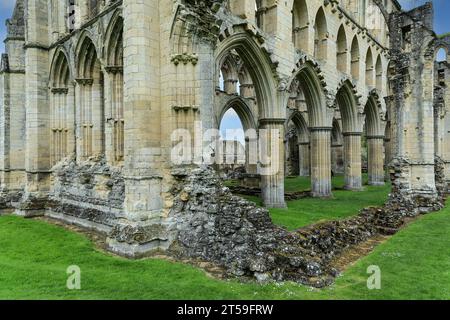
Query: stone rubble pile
[[216, 226], [91, 191]]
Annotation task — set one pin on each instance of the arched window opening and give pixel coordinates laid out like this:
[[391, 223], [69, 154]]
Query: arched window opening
[[369, 68], [374, 140], [292, 150], [441, 55], [91, 91], [341, 50], [115, 75], [355, 56], [321, 36], [239, 115], [337, 149], [230, 74], [221, 81], [300, 23], [232, 143], [61, 110], [379, 74]]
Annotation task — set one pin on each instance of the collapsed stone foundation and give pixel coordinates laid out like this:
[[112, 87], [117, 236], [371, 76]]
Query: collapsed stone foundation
[[90, 193], [217, 226], [208, 223]]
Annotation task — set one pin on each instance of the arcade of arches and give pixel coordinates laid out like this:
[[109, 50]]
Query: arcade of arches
[[95, 95]]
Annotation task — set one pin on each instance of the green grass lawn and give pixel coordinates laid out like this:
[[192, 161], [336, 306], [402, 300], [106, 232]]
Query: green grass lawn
[[34, 256], [307, 211]]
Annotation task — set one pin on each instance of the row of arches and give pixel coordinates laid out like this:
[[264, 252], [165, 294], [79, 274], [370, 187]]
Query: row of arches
[[96, 120], [312, 123], [345, 145], [349, 56]]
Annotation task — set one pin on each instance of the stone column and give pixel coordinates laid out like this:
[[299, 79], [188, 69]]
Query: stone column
[[387, 158], [304, 159], [37, 153], [12, 115], [337, 158], [230, 86], [321, 161], [271, 137], [142, 227], [375, 160], [352, 160], [247, 90], [413, 165]]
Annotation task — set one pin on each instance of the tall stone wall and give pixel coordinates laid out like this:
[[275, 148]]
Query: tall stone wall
[[172, 53], [412, 107]]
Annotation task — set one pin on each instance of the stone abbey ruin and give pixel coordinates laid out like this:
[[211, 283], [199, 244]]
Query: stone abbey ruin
[[91, 93]]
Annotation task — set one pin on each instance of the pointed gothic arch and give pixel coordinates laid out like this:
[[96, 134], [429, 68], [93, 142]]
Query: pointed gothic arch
[[347, 103], [62, 120], [90, 80], [341, 50], [375, 137], [369, 68], [300, 25], [306, 79], [115, 100], [379, 74], [320, 35], [355, 58], [260, 70]]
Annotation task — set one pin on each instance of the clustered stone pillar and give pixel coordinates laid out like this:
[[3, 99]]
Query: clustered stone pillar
[[304, 159], [321, 161], [352, 160], [271, 136], [412, 61], [387, 158], [37, 154], [337, 158], [230, 86], [141, 228], [247, 90], [375, 160]]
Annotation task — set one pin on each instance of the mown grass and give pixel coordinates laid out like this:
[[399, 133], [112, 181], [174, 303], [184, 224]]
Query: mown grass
[[34, 256], [343, 204]]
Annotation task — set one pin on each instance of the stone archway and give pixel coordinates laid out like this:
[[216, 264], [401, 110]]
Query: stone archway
[[271, 113], [351, 130], [62, 108], [298, 146], [90, 93], [114, 87], [375, 141], [306, 81]]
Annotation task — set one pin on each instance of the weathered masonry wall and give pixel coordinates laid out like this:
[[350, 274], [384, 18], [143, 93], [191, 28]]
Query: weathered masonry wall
[[92, 94], [12, 120], [412, 104]]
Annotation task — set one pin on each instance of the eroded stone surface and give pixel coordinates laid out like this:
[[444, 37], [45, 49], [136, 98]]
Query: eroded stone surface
[[215, 225]]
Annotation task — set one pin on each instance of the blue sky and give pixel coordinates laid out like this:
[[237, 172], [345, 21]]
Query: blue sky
[[6, 8]]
